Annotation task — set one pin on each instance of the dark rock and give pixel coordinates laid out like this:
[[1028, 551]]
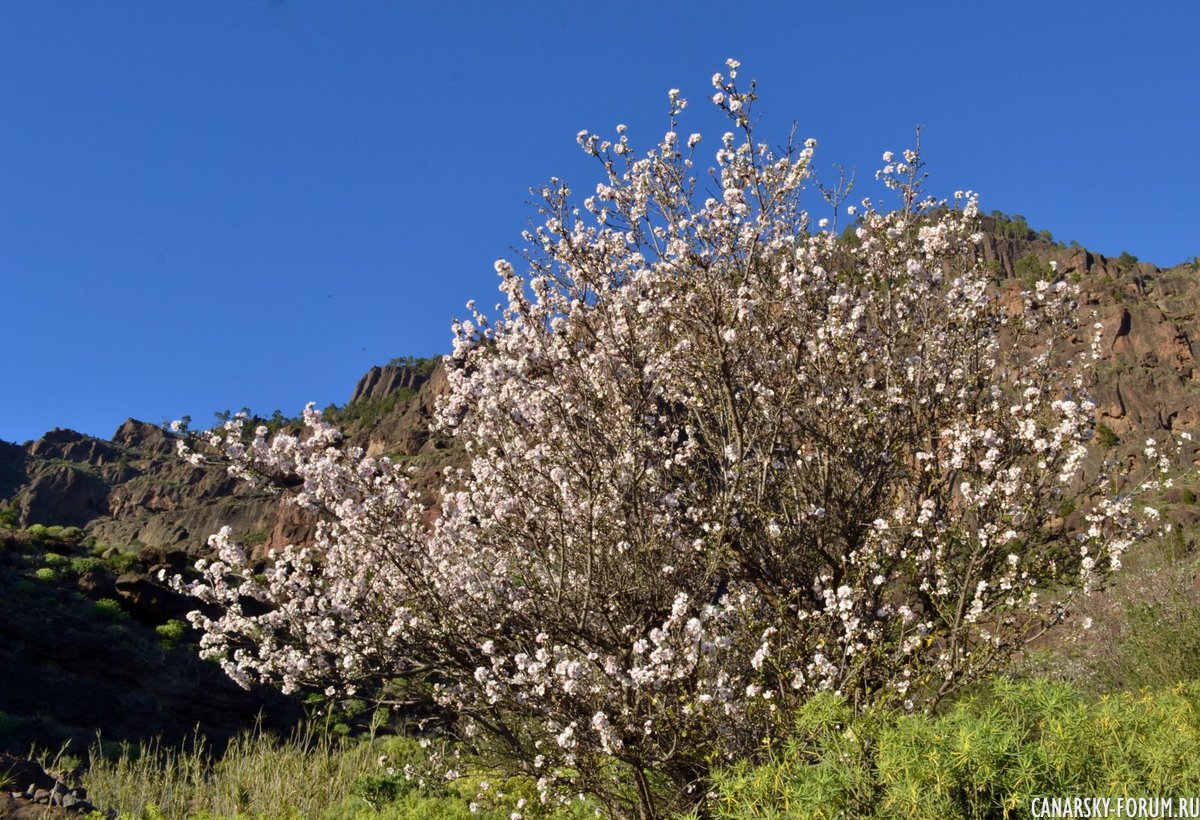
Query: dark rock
[[151, 602], [63, 495], [12, 468], [293, 525], [155, 558], [24, 775], [96, 583]]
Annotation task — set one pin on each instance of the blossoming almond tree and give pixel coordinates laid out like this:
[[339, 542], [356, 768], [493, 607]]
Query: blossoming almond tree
[[717, 458]]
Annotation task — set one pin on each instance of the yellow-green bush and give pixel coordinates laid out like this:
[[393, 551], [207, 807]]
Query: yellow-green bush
[[985, 758]]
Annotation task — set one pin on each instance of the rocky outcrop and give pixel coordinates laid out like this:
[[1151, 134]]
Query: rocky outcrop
[[30, 791], [67, 445], [62, 494], [379, 382], [405, 430], [12, 469], [141, 435]]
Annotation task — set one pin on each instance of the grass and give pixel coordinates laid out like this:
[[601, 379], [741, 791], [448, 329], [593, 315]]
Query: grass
[[257, 776], [1145, 628], [312, 774]]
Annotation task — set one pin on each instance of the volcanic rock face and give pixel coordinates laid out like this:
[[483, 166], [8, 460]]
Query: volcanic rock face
[[379, 382], [1147, 380]]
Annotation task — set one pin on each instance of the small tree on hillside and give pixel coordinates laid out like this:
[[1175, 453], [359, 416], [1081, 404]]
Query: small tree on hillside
[[718, 458]]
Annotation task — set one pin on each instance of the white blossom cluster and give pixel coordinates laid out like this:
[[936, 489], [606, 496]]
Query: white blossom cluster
[[718, 458]]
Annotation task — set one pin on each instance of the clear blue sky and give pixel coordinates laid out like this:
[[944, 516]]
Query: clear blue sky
[[205, 205]]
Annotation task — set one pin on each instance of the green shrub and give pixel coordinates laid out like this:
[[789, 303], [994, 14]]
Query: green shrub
[[109, 609], [1127, 261], [45, 574], [53, 559], [1106, 437], [1145, 627], [85, 564], [120, 562], [1166, 648], [368, 411], [424, 366], [380, 790], [987, 757], [171, 632], [1031, 270], [256, 538], [36, 532], [10, 515]]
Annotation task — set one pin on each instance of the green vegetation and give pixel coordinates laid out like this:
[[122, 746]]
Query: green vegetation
[[10, 515], [84, 564], [368, 411], [1031, 270], [254, 539], [1016, 227], [986, 757], [422, 366], [109, 609], [310, 775], [56, 535], [120, 562], [171, 633], [1106, 437], [45, 574], [276, 421], [1011, 227]]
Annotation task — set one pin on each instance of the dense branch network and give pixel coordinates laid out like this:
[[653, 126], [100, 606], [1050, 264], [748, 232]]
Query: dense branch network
[[717, 458]]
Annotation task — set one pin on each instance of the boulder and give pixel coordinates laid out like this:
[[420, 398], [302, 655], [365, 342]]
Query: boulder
[[151, 602]]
